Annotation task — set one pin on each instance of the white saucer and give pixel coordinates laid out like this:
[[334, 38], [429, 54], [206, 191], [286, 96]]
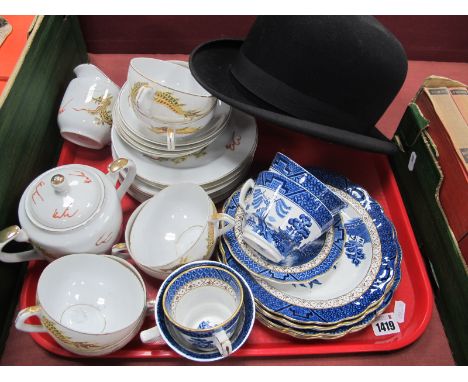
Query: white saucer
[[221, 158]]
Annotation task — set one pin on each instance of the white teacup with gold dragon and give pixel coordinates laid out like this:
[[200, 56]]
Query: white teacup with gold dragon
[[165, 95], [90, 304]]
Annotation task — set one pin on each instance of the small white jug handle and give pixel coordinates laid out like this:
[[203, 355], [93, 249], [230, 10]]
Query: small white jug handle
[[150, 335], [24, 314], [118, 165], [247, 186], [17, 234], [225, 218], [223, 343]]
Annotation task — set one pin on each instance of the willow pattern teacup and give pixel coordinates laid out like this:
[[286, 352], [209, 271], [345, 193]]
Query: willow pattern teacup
[[287, 167], [281, 216], [202, 306]]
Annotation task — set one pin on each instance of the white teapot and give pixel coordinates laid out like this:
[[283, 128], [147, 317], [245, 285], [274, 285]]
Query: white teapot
[[69, 209]]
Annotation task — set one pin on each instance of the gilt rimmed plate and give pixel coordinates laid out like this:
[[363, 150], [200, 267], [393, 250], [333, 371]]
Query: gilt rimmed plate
[[343, 329], [141, 191], [236, 143], [351, 321], [347, 296], [349, 234]]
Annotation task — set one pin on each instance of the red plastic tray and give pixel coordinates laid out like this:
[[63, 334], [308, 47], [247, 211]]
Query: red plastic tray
[[369, 170]]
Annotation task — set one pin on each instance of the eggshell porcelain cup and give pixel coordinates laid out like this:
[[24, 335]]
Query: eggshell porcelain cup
[[202, 305], [164, 94], [90, 304], [281, 216], [178, 225]]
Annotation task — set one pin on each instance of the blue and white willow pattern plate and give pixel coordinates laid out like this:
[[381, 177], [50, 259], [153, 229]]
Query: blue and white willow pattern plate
[[353, 302], [306, 333], [240, 336]]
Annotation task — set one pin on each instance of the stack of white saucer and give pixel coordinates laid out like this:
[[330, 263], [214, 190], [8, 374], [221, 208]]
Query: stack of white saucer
[[216, 157]]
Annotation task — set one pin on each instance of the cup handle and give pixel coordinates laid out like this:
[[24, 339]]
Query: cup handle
[[17, 234], [171, 136], [118, 165], [140, 99], [150, 335], [24, 314], [246, 187], [120, 250], [223, 343], [225, 218]]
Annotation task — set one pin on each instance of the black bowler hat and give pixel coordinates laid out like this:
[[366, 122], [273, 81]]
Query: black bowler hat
[[328, 76]]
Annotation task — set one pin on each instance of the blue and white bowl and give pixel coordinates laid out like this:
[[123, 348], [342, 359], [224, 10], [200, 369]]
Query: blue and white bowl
[[281, 216], [287, 167]]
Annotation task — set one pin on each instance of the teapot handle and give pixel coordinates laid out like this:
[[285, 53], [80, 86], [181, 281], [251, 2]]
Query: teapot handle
[[17, 234], [118, 165]]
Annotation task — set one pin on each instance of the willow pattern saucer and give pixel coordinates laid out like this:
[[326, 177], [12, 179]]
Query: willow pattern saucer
[[349, 234], [239, 338], [343, 329], [346, 293], [280, 320]]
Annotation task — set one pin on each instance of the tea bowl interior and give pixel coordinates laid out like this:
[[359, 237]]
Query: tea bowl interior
[[91, 294]]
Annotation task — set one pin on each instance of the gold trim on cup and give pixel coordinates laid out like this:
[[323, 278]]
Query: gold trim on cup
[[168, 87], [240, 304]]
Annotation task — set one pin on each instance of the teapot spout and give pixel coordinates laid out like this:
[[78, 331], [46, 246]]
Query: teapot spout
[[89, 70]]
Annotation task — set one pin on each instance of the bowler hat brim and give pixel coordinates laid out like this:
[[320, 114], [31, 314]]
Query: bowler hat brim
[[210, 64]]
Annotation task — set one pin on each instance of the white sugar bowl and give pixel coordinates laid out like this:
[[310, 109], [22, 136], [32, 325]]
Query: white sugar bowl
[[69, 209]]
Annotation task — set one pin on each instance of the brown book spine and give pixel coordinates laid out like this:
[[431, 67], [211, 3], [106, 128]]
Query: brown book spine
[[454, 189], [452, 120]]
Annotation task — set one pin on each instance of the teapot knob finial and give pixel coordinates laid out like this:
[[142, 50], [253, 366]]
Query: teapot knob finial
[[58, 183]]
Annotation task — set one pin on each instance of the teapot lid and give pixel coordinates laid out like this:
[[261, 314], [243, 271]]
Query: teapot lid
[[64, 197]]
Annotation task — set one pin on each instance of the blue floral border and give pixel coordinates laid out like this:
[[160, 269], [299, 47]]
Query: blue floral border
[[369, 317]]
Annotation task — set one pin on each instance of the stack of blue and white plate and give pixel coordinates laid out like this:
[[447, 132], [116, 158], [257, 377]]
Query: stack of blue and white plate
[[346, 280]]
